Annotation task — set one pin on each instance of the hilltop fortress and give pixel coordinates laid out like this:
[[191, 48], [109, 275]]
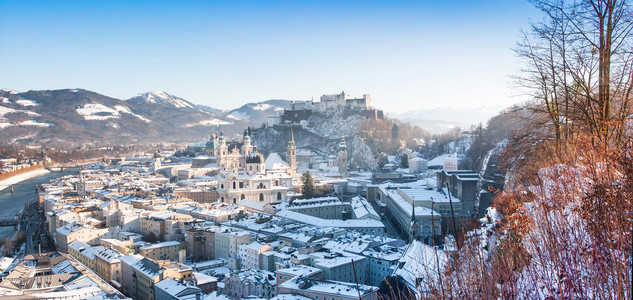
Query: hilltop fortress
[[302, 110]]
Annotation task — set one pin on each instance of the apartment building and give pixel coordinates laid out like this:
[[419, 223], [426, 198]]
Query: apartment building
[[162, 251]]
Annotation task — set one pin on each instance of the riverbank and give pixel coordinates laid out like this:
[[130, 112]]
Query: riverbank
[[7, 183]]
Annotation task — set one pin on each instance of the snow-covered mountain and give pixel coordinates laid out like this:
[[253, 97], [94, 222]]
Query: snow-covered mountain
[[260, 112], [163, 98], [77, 116]]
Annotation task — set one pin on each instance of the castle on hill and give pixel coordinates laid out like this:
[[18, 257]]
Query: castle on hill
[[302, 110], [335, 101]]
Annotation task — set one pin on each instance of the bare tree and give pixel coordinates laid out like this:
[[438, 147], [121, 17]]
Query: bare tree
[[579, 66]]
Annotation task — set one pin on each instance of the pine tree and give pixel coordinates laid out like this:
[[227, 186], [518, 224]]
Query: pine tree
[[404, 162], [308, 190]]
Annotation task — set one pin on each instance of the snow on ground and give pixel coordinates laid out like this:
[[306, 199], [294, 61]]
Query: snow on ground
[[35, 123], [25, 102], [4, 123], [96, 111], [234, 117], [335, 124], [162, 97], [212, 122], [261, 106], [10, 91], [239, 115], [8, 110], [5, 100], [126, 110]]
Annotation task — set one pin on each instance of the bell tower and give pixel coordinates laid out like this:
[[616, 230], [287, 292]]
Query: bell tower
[[291, 156], [342, 157]]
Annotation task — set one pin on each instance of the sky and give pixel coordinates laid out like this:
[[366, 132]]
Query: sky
[[408, 55]]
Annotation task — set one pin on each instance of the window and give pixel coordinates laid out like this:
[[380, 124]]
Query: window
[[261, 197]]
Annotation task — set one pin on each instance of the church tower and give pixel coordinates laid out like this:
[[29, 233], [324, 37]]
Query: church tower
[[157, 160], [291, 157], [247, 148], [342, 157], [413, 233], [212, 145], [223, 152]]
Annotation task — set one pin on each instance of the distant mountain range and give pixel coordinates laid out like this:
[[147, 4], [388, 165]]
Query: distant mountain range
[[437, 120], [78, 116]]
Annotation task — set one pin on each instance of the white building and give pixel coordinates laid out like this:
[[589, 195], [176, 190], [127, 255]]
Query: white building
[[250, 254], [227, 244], [338, 266]]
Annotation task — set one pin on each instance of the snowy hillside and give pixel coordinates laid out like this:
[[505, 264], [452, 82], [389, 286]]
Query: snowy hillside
[[163, 98], [322, 137], [81, 116], [260, 112]]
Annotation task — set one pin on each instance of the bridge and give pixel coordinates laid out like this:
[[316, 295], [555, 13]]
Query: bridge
[[8, 222], [55, 168]]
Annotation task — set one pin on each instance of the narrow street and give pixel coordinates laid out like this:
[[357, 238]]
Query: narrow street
[[34, 229]]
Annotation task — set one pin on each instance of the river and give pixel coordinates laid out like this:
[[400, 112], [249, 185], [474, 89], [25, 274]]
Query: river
[[11, 203]]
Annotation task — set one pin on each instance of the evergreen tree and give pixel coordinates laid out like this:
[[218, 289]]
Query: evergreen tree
[[308, 190], [395, 132], [383, 159], [404, 162]]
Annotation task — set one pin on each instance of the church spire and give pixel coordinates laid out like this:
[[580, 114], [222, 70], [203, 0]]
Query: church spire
[[292, 135], [291, 156]]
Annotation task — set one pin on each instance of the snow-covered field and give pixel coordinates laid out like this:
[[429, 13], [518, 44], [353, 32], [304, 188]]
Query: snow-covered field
[[235, 116], [35, 123], [165, 98], [4, 123], [126, 110], [96, 111], [262, 106], [25, 102], [8, 110]]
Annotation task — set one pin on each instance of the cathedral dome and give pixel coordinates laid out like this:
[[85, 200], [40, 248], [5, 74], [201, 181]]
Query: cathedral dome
[[254, 158], [212, 144]]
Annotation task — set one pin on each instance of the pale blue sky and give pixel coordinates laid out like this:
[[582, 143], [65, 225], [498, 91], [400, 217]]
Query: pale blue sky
[[407, 55]]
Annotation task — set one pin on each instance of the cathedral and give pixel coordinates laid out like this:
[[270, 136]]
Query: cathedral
[[244, 174]]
